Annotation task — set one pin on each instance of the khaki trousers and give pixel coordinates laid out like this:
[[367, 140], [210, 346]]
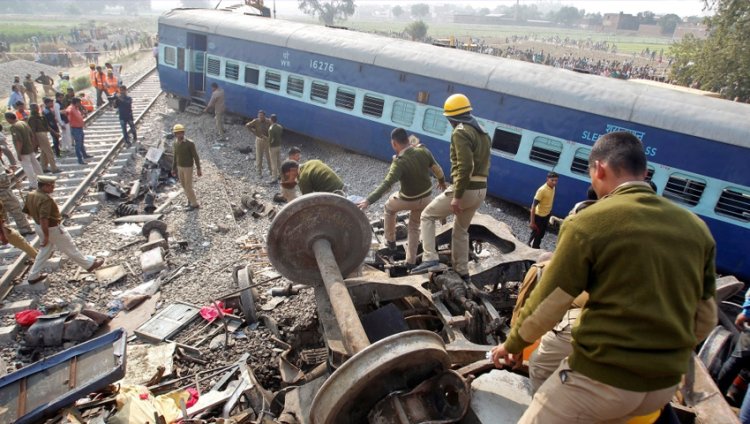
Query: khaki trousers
[[439, 209], [16, 240], [31, 168], [49, 90], [415, 207], [275, 161], [185, 175], [571, 397], [553, 348], [13, 208], [45, 148], [262, 149], [59, 239], [219, 118]]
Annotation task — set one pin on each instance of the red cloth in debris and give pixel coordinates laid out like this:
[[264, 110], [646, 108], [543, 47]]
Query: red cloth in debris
[[209, 313], [193, 397], [27, 317]]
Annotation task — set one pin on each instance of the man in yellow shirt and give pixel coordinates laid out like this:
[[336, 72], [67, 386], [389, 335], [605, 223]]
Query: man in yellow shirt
[[541, 209]]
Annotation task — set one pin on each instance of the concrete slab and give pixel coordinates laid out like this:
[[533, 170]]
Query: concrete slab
[[39, 287], [75, 230], [82, 218], [144, 359], [52, 265], [17, 306], [8, 334], [153, 261], [498, 397], [89, 207]]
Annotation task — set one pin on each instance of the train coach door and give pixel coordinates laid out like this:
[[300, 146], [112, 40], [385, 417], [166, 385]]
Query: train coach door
[[196, 44]]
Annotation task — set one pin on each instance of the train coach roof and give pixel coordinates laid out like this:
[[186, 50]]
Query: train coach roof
[[673, 110]]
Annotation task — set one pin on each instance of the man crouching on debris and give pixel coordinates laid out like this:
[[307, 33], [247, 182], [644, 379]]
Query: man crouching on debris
[[312, 176], [185, 156], [43, 209], [651, 284]]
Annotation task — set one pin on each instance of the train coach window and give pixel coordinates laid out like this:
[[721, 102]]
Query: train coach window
[[319, 92], [273, 80], [506, 141], [546, 151], [434, 121], [252, 75], [170, 56], [213, 66], [684, 189], [232, 71], [580, 163], [734, 202], [345, 98], [295, 86], [649, 173], [373, 106], [403, 113]]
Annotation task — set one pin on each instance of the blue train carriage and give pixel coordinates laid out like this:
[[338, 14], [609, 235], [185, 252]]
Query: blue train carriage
[[352, 88]]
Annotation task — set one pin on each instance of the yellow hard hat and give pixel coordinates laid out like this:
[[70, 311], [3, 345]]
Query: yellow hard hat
[[178, 128], [456, 104]]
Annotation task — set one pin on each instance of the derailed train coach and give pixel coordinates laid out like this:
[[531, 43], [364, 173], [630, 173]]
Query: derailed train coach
[[352, 88]]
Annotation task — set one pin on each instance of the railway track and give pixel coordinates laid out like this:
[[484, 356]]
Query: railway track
[[105, 143]]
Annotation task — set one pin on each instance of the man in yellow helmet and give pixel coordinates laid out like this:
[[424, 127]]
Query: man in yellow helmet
[[470, 166], [185, 156]]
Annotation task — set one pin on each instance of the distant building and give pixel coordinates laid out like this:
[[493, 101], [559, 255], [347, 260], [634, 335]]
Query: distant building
[[614, 22], [649, 30], [698, 30]]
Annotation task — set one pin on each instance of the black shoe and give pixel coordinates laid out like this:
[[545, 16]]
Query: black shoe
[[391, 248], [41, 277], [87, 156], [466, 278], [424, 267], [82, 162], [28, 233]]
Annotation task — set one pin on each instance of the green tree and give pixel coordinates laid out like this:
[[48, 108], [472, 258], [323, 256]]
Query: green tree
[[721, 62], [328, 11], [569, 15], [420, 10], [595, 19], [484, 11], [668, 23], [646, 18], [417, 30], [397, 11]]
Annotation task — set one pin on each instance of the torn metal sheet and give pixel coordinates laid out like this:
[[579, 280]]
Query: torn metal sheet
[[168, 322], [111, 274], [41, 389], [143, 361]]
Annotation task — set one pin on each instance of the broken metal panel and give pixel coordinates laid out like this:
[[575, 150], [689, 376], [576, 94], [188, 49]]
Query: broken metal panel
[[498, 397], [168, 322], [41, 389]]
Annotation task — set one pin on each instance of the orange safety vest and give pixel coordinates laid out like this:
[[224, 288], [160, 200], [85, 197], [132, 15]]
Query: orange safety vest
[[99, 80], [86, 103], [22, 116], [110, 84], [92, 77]]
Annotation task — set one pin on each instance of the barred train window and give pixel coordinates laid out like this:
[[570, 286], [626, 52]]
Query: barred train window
[[580, 163], [213, 66], [295, 86], [252, 75], [734, 202], [273, 80], [232, 71], [373, 106], [199, 59], [546, 151], [506, 141], [170, 55], [319, 92], [434, 121], [684, 189], [403, 113], [345, 98], [649, 173]]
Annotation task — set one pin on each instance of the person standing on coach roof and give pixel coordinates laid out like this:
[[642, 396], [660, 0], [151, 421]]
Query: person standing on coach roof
[[185, 156], [274, 144], [411, 166], [217, 103], [22, 136], [43, 209], [259, 127], [649, 268], [541, 210], [470, 166]]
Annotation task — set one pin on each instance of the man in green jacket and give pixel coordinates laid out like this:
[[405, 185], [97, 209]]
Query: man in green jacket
[[274, 143], [312, 176], [470, 166], [651, 284], [185, 156], [411, 167]]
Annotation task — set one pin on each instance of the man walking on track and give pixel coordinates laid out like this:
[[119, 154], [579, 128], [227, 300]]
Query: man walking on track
[[185, 156]]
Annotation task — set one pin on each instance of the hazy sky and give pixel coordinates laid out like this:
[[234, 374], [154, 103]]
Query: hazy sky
[[679, 7]]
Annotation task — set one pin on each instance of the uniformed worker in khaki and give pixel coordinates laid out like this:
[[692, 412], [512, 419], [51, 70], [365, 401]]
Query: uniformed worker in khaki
[[470, 166], [274, 143], [313, 176], [185, 156], [43, 209], [11, 204], [9, 235], [259, 128], [23, 140], [411, 166]]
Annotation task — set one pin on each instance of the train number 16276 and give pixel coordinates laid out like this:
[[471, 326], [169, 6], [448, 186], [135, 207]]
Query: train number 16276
[[319, 65]]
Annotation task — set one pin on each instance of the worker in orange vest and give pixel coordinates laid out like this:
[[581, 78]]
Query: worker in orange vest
[[99, 78], [86, 102], [110, 83], [92, 74]]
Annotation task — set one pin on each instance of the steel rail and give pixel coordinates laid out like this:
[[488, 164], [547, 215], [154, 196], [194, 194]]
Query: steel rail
[[19, 265]]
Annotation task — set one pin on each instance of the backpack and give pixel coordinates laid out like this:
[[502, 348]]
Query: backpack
[[530, 280]]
